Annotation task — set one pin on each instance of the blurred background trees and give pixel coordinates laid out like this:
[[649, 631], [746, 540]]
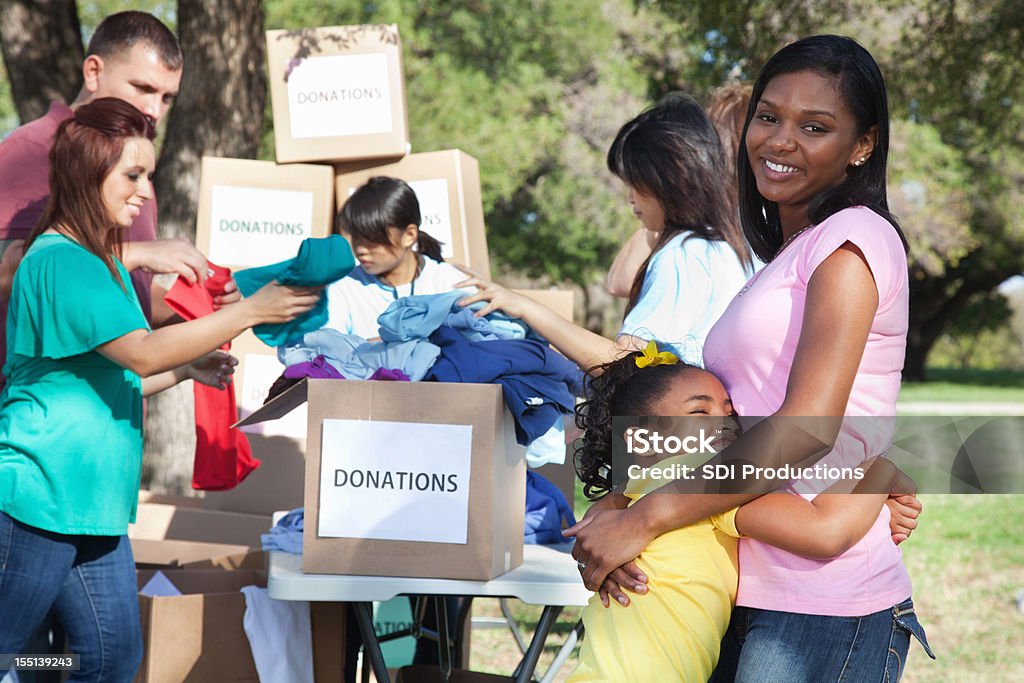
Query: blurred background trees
[[535, 89]]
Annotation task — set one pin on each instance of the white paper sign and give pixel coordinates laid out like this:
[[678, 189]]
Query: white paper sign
[[396, 481], [340, 95], [254, 226], [261, 371], [435, 212]]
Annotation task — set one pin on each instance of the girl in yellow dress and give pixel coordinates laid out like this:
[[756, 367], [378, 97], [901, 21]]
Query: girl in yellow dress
[[672, 631]]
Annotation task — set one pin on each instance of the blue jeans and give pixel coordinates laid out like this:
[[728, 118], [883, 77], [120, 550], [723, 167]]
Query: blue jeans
[[763, 645], [89, 581]]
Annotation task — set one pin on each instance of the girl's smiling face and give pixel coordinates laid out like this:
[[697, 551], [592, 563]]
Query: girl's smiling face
[[801, 141], [698, 393]]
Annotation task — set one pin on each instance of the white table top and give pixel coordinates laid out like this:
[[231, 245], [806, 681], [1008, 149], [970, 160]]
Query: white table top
[[547, 577]]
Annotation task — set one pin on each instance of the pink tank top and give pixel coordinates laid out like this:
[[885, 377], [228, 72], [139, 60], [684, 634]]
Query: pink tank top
[[755, 370]]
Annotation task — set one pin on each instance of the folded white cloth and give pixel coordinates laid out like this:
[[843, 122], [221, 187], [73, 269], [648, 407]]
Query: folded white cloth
[[279, 636]]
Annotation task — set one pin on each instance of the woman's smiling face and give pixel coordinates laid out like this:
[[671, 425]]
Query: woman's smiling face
[[127, 187], [801, 141]]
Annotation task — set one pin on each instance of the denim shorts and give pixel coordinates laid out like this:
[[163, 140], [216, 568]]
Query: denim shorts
[[784, 647]]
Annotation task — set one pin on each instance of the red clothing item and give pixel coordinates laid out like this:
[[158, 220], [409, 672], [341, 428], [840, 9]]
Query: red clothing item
[[223, 455], [25, 179]]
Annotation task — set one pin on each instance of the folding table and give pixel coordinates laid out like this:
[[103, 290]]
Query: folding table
[[548, 577]]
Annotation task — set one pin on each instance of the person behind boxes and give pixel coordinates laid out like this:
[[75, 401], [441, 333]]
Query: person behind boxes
[[134, 57], [396, 258], [727, 110], [673, 631], [672, 162], [80, 358]]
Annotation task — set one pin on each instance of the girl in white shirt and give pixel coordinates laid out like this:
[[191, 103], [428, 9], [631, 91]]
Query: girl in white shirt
[[382, 221]]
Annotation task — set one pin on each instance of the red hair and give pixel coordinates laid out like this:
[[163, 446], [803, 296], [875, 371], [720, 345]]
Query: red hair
[[85, 150]]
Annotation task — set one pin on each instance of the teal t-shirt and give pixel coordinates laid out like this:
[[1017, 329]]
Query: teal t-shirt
[[70, 420]]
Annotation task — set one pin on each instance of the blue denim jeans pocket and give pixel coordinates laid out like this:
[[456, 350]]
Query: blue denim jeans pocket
[[905, 625]]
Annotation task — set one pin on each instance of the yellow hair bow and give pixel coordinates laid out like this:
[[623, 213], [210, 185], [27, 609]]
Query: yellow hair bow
[[651, 357]]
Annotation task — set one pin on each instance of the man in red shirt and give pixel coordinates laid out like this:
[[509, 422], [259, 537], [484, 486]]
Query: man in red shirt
[[134, 57]]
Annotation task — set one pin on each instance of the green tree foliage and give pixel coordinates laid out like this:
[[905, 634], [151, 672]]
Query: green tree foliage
[[535, 91], [928, 192], [957, 103], [980, 336]]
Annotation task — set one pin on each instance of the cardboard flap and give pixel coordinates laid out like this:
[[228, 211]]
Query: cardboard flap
[[279, 406]]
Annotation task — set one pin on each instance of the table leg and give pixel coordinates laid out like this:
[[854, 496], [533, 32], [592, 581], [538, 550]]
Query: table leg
[[524, 672], [443, 645], [371, 646]]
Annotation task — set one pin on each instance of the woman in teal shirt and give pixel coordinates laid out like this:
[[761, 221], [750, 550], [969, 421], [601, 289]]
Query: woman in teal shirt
[[80, 357]]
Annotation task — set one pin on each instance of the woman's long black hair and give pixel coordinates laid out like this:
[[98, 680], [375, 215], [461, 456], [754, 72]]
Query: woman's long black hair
[[862, 89], [615, 389], [672, 153]]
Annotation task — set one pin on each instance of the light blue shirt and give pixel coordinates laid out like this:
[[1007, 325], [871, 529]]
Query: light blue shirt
[[354, 302], [688, 285]]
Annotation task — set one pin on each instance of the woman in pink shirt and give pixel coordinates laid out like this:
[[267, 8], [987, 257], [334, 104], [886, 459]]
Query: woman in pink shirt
[[820, 331]]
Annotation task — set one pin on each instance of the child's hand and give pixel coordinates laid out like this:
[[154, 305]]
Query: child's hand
[[628, 577], [214, 369], [904, 510], [497, 297]]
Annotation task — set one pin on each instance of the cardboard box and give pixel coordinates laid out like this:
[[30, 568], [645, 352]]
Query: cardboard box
[[198, 637], [280, 444], [156, 521], [167, 535], [338, 93], [447, 185], [253, 213], [421, 479]]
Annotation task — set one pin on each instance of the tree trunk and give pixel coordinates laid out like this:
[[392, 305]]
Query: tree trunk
[[934, 302], [42, 50], [220, 109], [218, 113]]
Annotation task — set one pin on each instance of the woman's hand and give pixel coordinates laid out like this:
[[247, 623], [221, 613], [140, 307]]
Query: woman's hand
[[276, 303], [904, 510], [214, 369], [605, 541], [230, 295], [497, 297]]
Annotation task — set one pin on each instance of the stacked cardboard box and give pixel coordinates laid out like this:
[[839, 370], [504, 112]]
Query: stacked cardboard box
[[339, 108], [209, 555]]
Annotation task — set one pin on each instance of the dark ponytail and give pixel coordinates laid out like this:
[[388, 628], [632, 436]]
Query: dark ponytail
[[384, 203], [615, 389], [428, 246]]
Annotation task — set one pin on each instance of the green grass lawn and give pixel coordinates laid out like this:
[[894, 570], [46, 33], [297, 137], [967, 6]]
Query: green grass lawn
[[967, 564], [946, 384]]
